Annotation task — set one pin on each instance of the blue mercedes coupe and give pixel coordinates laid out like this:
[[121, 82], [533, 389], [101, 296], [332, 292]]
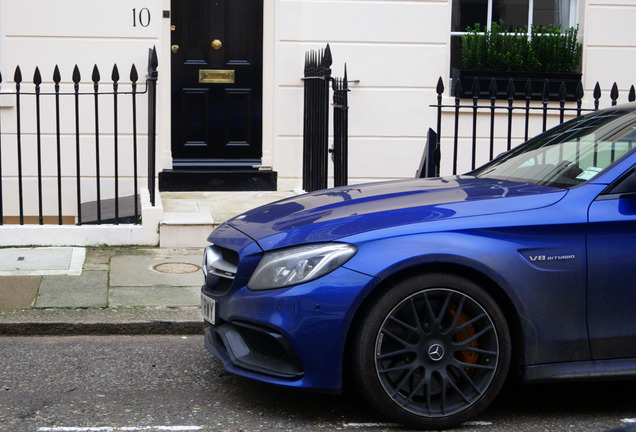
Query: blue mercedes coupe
[[430, 293]]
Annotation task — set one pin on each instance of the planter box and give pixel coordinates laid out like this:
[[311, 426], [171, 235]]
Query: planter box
[[537, 79]]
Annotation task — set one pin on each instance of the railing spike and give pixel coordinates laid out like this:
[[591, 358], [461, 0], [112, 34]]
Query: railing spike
[[563, 92], [597, 96], [95, 76], [77, 77], [492, 88], [614, 94], [632, 94], [17, 76], [134, 76], [597, 91], [153, 62], [510, 91], [56, 75], [115, 74], [475, 88], [37, 77], [528, 88], [546, 89], [327, 60], [457, 90], [579, 91], [440, 86]]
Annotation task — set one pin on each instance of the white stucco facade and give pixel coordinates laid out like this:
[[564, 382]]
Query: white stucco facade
[[396, 49]]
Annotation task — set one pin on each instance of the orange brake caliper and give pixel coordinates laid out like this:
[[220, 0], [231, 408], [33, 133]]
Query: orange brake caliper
[[465, 334]]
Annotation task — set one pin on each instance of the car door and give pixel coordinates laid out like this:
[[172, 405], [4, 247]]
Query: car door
[[611, 244]]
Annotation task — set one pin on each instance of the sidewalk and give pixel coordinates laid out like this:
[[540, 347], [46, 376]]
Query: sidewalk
[[71, 291]]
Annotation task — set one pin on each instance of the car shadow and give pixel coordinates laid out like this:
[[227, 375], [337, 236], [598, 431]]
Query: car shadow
[[599, 403]]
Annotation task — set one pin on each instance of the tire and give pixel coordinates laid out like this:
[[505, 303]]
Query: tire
[[432, 351]]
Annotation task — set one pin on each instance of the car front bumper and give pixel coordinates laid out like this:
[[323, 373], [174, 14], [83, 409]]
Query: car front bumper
[[291, 336]]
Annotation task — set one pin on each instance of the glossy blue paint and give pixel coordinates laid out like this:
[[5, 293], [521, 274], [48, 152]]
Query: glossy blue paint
[[612, 278], [335, 213], [560, 252], [310, 316]]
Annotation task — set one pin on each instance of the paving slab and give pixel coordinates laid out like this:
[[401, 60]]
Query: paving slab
[[141, 270], [89, 290], [148, 302], [41, 261], [18, 292], [154, 296]]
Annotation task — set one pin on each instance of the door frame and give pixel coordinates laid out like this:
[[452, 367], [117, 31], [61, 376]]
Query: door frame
[[270, 55]]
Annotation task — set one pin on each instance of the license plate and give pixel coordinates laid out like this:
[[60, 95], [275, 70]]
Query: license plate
[[208, 309]]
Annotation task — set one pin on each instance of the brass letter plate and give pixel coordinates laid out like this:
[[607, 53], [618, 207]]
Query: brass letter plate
[[216, 76]]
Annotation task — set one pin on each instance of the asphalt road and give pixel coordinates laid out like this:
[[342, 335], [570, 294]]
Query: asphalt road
[[170, 383]]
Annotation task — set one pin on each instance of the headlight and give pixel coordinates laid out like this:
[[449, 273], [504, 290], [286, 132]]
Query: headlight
[[299, 264]]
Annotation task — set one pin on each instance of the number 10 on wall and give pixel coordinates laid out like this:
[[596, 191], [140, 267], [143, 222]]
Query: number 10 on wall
[[141, 18]]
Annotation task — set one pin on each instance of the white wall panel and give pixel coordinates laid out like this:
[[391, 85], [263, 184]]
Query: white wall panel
[[591, 3], [82, 18], [396, 49], [289, 156], [384, 157], [46, 53], [597, 60], [611, 25], [390, 112], [382, 65], [289, 112], [371, 22], [372, 112]]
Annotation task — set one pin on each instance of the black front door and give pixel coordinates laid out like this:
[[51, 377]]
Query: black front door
[[217, 57]]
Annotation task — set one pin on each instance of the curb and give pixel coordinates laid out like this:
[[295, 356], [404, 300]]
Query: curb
[[125, 321]]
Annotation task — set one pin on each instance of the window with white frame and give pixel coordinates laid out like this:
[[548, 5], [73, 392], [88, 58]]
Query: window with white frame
[[515, 14]]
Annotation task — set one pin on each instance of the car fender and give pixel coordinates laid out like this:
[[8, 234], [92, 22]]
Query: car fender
[[502, 258]]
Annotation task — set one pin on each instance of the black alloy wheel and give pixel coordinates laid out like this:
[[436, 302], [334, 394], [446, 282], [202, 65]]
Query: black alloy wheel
[[432, 351]]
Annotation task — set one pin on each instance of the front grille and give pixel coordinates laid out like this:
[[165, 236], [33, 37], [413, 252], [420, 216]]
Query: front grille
[[217, 285], [219, 267], [230, 256]]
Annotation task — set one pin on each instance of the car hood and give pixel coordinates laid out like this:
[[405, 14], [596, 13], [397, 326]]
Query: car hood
[[330, 214]]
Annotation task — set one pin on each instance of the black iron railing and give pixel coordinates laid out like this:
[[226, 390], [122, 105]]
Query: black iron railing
[[316, 150], [316, 119], [474, 114], [38, 95]]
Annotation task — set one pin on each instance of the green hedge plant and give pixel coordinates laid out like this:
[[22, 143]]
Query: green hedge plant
[[548, 50]]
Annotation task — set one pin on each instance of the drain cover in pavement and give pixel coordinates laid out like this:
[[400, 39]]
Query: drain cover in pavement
[[176, 268]]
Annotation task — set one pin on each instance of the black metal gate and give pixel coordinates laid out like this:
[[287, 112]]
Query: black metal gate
[[316, 122]]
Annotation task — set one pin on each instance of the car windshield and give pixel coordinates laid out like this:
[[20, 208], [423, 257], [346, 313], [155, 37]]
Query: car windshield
[[569, 154]]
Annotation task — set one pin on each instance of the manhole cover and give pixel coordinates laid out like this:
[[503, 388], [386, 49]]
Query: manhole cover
[[176, 268]]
